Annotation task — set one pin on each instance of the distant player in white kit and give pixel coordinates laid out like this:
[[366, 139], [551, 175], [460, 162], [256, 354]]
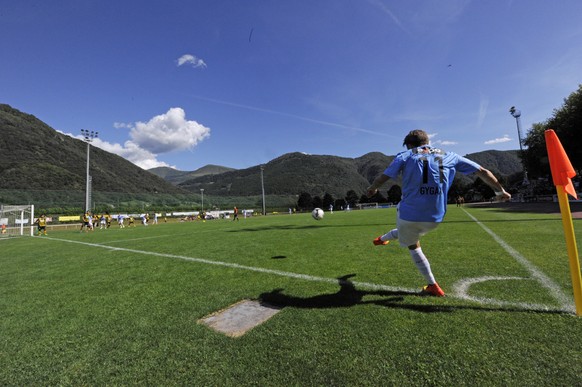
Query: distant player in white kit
[[427, 174]]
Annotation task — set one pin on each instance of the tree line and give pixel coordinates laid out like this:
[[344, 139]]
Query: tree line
[[469, 189], [566, 121]]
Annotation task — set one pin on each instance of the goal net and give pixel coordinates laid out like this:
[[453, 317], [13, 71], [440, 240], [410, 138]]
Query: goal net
[[16, 220], [366, 206]]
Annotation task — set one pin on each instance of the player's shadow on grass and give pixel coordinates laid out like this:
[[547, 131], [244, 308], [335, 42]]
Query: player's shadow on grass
[[348, 296]]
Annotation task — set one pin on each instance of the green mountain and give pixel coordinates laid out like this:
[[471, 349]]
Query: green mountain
[[37, 157], [290, 174], [176, 177], [504, 163], [294, 173]]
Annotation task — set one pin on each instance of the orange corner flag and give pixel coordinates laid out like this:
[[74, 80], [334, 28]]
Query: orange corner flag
[[562, 170]]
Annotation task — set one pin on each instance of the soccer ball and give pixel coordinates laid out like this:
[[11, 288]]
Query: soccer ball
[[317, 214]]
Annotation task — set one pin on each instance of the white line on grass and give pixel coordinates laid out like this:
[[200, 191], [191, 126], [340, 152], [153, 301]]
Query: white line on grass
[[462, 291], [543, 279], [334, 281], [366, 285], [150, 237], [133, 239]]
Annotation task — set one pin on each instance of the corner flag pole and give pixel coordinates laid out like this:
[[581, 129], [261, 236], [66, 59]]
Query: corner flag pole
[[562, 172]]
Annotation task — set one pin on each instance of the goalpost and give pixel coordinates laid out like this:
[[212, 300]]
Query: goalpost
[[365, 206], [16, 220]]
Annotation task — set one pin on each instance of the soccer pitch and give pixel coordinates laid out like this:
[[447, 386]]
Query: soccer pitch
[[123, 306]]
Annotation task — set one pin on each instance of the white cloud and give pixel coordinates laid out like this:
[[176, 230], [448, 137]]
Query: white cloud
[[447, 142], [129, 151], [132, 152], [192, 60], [164, 133], [505, 138], [168, 132], [440, 142]]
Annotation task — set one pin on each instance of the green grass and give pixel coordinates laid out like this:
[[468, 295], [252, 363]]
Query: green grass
[[86, 314]]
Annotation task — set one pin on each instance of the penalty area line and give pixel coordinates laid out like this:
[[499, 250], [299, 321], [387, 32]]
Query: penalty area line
[[305, 277]]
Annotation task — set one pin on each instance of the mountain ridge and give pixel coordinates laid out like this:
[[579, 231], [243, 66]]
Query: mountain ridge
[[37, 157], [294, 173]]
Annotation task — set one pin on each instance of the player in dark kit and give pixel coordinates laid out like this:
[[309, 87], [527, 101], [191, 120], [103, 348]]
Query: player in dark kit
[[41, 224]]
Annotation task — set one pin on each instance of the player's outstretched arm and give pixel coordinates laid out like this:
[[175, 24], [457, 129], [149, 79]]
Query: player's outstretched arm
[[490, 179], [377, 183]]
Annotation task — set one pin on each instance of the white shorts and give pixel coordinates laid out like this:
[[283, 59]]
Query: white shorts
[[409, 233]]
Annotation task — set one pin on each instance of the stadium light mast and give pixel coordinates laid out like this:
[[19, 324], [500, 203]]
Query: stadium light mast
[[263, 189], [88, 135], [202, 193], [517, 114]]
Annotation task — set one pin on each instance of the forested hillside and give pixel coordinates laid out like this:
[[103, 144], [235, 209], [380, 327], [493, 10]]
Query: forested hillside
[[296, 173], [37, 157]]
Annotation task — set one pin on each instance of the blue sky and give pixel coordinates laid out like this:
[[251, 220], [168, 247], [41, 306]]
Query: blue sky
[[240, 82]]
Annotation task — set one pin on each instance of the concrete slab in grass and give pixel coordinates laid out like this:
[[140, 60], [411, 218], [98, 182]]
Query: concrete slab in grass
[[238, 319]]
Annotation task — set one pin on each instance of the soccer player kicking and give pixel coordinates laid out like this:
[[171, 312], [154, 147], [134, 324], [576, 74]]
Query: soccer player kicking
[[427, 174]]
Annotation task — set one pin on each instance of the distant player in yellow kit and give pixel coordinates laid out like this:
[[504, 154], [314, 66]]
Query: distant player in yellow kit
[[41, 224]]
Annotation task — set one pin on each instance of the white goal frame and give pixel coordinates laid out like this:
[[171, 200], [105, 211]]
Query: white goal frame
[[367, 206], [16, 220]]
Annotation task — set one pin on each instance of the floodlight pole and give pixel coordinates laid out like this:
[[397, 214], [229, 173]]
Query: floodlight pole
[[202, 193], [263, 189], [517, 114], [88, 135]]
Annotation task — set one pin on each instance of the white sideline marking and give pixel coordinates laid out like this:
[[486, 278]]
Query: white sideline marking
[[280, 273], [333, 281], [150, 237], [133, 239], [543, 279]]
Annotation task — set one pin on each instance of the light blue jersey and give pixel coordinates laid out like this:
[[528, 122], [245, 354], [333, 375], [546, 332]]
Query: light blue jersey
[[427, 175]]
